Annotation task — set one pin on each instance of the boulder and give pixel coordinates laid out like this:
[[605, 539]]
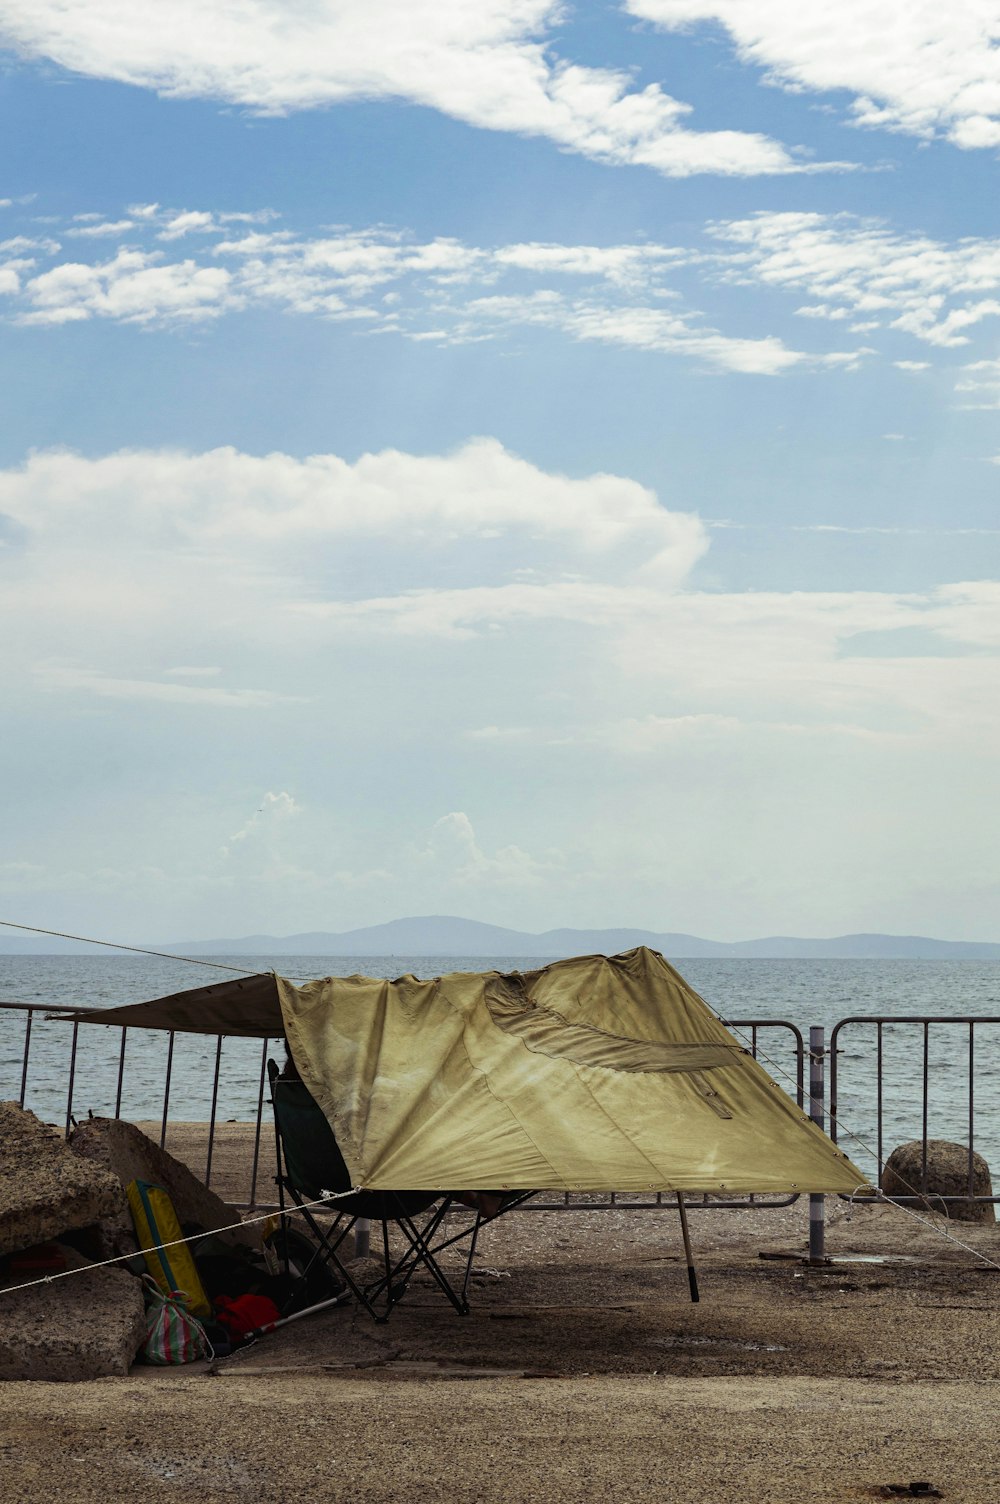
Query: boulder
[[124, 1149], [87, 1326], [45, 1189], [947, 1175]]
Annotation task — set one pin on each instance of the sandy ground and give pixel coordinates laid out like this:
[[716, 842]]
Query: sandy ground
[[583, 1372]]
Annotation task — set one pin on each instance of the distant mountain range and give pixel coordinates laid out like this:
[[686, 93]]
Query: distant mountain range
[[444, 935]]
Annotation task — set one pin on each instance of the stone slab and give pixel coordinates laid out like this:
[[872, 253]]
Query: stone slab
[[125, 1151], [45, 1189], [87, 1326]]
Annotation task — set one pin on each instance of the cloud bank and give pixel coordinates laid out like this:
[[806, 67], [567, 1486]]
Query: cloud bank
[[922, 69], [489, 65], [384, 281], [146, 560], [856, 275], [264, 656]]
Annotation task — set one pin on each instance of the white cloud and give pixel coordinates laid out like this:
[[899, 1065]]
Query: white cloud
[[186, 224], [441, 290], [489, 65], [640, 328], [494, 733], [481, 496], [132, 287], [919, 68], [273, 810], [29, 243], [855, 266], [978, 384], [454, 851], [73, 677], [101, 230]]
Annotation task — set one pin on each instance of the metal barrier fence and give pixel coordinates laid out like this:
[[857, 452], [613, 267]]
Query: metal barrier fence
[[903, 1050], [79, 1079], [164, 1078]]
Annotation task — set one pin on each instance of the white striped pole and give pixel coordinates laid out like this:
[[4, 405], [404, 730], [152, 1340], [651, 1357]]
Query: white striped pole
[[362, 1237]]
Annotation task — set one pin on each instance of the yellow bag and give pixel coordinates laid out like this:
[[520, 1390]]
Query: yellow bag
[[155, 1224]]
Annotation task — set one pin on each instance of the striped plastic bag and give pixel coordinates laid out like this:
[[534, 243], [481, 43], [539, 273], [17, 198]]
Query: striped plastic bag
[[173, 1335]]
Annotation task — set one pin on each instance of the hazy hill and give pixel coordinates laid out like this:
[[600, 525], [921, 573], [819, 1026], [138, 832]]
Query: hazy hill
[[445, 935]]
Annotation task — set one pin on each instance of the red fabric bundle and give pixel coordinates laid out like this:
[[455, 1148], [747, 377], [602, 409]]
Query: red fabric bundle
[[245, 1314]]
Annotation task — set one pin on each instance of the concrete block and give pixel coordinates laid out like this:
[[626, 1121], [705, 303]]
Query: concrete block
[[45, 1189], [88, 1326], [947, 1175], [125, 1150]]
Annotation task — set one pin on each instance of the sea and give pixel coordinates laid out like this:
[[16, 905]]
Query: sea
[[951, 1058]]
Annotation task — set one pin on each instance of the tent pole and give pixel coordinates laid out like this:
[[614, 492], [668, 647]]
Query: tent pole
[[692, 1272]]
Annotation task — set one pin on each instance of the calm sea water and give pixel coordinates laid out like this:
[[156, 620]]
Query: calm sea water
[[799, 992]]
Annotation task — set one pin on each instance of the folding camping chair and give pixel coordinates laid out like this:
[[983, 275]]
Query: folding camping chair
[[309, 1163]]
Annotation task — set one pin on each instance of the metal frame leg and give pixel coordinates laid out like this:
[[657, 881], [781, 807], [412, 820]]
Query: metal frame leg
[[685, 1234]]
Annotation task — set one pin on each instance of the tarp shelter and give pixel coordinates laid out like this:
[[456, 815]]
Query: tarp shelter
[[593, 1074]]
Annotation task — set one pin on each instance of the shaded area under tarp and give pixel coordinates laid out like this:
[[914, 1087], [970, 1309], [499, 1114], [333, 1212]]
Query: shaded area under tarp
[[592, 1074]]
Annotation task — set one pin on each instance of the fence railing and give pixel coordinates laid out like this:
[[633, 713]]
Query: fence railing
[[66, 1071], [916, 1084], [896, 1083]]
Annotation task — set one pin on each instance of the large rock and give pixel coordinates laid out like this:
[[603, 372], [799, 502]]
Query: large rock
[[125, 1150], [947, 1175], [45, 1189], [86, 1326]]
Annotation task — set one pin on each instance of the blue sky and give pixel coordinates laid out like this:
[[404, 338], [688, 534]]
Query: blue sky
[[530, 461]]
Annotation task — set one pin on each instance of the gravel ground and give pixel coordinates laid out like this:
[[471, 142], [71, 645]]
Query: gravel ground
[[584, 1371]]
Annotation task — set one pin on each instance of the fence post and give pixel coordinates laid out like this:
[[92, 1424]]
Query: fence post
[[817, 1103]]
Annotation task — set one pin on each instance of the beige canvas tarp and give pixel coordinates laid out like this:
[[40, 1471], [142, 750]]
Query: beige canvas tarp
[[599, 1073]]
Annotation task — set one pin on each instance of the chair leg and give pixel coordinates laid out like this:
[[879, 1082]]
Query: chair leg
[[330, 1244], [398, 1274], [472, 1254], [425, 1256], [419, 1252]]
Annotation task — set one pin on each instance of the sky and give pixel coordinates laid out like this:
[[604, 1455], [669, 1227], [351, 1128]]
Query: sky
[[524, 460]]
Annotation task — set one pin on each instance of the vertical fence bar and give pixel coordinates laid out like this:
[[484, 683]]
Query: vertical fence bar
[[753, 1052], [72, 1079], [215, 1102], [256, 1137], [166, 1090], [923, 1124], [817, 1204], [24, 1058], [799, 1081], [878, 1101], [121, 1075], [972, 1101]]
